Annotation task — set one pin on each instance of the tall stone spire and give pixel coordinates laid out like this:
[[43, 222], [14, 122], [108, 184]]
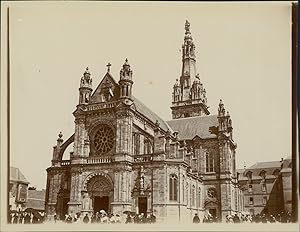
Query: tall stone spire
[[188, 58], [189, 95]]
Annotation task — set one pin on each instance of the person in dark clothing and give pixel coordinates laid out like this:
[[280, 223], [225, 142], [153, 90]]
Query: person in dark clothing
[[27, 219], [86, 219], [20, 218], [136, 219], [264, 219], [236, 219], [69, 219], [128, 219], [93, 218], [153, 218], [283, 217], [272, 219], [35, 220], [55, 218], [196, 219], [98, 218]]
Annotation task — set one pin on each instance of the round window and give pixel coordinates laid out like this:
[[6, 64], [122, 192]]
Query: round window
[[104, 139], [211, 192]]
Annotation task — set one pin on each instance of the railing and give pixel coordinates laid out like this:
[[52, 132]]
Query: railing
[[65, 162], [142, 158], [102, 105], [101, 160]]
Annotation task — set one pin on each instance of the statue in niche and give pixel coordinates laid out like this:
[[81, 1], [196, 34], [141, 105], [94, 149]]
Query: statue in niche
[[142, 178], [86, 201], [140, 181]]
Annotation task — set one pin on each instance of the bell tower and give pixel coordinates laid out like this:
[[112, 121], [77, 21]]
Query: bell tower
[[85, 89], [125, 81], [189, 96]]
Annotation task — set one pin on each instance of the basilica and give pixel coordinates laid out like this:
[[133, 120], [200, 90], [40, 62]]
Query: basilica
[[126, 158]]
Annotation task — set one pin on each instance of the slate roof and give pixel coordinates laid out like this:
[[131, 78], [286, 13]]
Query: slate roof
[[143, 109], [268, 166], [17, 176], [140, 107], [188, 128]]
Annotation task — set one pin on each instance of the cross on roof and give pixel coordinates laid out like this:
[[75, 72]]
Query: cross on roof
[[108, 66]]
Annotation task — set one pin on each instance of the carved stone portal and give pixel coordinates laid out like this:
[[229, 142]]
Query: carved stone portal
[[97, 187]]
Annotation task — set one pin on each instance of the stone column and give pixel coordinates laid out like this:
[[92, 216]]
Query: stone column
[[81, 142], [75, 193], [121, 202]]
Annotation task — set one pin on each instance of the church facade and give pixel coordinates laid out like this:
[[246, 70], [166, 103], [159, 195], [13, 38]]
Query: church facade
[[126, 158]]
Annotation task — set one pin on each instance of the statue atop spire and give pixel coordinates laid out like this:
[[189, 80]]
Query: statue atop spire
[[85, 89], [187, 27], [86, 79], [188, 36]]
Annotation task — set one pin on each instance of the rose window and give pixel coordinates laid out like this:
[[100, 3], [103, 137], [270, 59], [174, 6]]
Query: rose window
[[211, 192], [104, 139]]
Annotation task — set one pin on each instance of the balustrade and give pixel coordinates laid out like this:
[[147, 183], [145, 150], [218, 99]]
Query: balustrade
[[142, 158], [100, 160]]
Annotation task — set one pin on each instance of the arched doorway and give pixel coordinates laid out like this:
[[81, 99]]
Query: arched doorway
[[211, 208], [100, 191]]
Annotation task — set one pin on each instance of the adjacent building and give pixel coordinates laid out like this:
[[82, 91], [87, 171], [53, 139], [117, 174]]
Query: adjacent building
[[126, 158], [18, 185], [267, 187]]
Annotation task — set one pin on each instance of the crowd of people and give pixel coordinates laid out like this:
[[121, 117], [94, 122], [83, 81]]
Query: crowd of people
[[26, 217], [36, 217], [106, 218], [247, 218]]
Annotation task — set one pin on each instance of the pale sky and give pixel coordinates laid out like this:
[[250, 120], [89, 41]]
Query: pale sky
[[243, 56]]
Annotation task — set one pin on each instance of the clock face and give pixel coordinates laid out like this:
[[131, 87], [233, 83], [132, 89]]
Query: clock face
[[211, 192], [104, 139]]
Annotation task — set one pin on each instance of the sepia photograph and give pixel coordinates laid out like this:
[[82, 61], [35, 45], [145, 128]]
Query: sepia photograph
[[130, 116]]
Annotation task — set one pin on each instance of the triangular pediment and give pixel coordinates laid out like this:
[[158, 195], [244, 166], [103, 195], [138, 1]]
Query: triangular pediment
[[107, 90]]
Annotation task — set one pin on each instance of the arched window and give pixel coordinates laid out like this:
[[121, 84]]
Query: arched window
[[263, 174], [249, 175], [199, 198], [263, 187], [136, 143], [147, 147], [86, 98], [250, 190], [183, 189], [81, 97], [193, 196], [127, 91], [173, 187], [187, 193], [209, 162]]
